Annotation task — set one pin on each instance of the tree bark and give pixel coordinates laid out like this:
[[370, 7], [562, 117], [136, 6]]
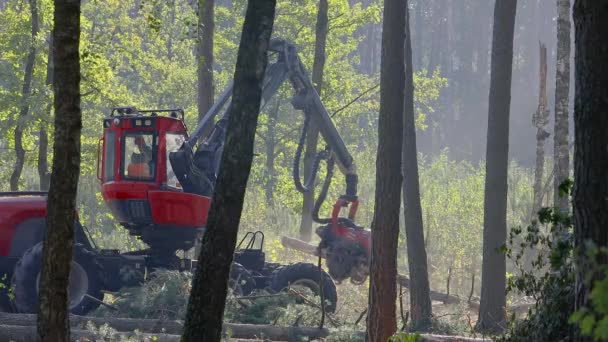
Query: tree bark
[[312, 137], [271, 143], [53, 322], [209, 288], [420, 301], [590, 204], [540, 119], [206, 26], [492, 315], [561, 150], [25, 99], [381, 320]]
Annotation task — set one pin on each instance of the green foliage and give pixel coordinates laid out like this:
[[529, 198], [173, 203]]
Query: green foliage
[[548, 279], [593, 320], [163, 296], [404, 337]]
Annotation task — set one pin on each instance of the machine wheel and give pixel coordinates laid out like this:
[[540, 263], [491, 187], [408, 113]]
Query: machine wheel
[[241, 281], [85, 278], [306, 275]]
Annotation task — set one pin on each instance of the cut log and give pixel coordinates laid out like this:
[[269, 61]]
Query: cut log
[[152, 326], [404, 281], [161, 327], [22, 328], [24, 333]]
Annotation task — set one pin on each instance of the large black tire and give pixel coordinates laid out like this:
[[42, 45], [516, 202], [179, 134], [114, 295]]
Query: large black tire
[[308, 275], [241, 281], [85, 278]]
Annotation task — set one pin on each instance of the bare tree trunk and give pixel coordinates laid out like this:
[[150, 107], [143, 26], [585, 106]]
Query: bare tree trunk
[[492, 315], [206, 26], [561, 151], [209, 287], [271, 143], [43, 144], [420, 300], [381, 319], [540, 119], [590, 207], [312, 136], [25, 99], [53, 324]]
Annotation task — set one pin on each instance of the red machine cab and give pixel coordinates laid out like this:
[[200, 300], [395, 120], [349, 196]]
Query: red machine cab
[[138, 182]]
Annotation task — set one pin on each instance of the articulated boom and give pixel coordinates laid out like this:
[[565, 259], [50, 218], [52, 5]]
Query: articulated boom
[[345, 245]]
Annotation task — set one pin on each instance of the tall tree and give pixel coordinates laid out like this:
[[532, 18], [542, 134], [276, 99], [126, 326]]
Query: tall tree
[[561, 151], [590, 207], [540, 119], [492, 313], [25, 99], [209, 287], [206, 27], [420, 300], [381, 320], [53, 324], [313, 132]]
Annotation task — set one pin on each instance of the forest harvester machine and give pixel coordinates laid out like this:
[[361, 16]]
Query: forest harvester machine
[[158, 182]]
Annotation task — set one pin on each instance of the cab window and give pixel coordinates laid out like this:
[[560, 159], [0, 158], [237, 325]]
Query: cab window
[[138, 157], [173, 141], [108, 156]]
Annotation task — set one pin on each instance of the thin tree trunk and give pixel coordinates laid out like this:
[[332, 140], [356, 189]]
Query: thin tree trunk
[[312, 136], [381, 319], [206, 26], [25, 99], [43, 145], [540, 119], [590, 207], [420, 300], [561, 151], [271, 143], [53, 324], [209, 287], [492, 315]]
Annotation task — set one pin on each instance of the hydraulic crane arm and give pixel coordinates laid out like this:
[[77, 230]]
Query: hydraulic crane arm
[[196, 171]]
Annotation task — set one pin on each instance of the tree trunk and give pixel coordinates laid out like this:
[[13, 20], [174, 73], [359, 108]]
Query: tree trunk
[[53, 322], [312, 136], [420, 301], [540, 119], [492, 314], [43, 143], [206, 27], [381, 320], [25, 99], [561, 150], [271, 143], [209, 287], [590, 207]]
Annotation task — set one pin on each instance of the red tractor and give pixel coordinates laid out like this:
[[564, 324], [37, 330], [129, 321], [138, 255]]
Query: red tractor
[[159, 188]]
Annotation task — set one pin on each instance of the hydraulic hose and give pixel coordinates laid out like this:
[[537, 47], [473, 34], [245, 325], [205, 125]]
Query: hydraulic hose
[[323, 194], [308, 183]]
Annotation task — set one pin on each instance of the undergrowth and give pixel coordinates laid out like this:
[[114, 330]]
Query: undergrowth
[[548, 277]]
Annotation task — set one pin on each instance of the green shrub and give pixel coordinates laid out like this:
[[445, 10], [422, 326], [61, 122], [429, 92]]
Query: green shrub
[[549, 280]]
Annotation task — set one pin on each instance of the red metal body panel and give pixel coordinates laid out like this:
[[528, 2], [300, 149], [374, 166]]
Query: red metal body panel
[[14, 210], [169, 207], [178, 208]]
